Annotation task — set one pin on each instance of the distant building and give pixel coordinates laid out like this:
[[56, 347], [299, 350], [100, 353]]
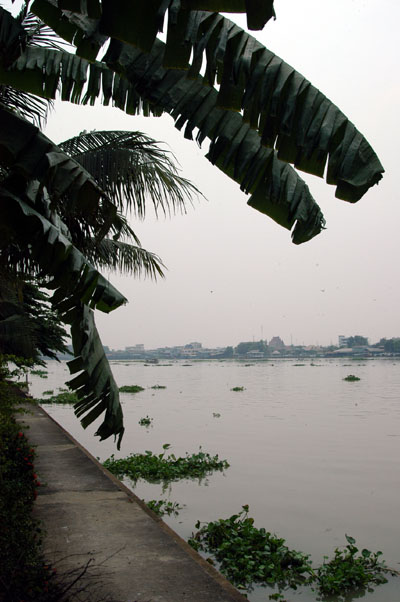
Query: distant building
[[276, 343], [193, 345], [136, 348], [342, 340]]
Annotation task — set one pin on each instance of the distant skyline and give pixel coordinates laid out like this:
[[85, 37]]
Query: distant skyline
[[232, 272], [235, 344]]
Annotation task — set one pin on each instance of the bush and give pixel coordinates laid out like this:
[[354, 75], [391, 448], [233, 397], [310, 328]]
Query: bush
[[24, 575]]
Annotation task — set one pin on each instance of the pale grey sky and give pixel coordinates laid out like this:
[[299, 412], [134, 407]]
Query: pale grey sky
[[233, 274]]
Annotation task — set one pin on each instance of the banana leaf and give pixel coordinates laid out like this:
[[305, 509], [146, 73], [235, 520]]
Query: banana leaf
[[289, 113], [236, 148]]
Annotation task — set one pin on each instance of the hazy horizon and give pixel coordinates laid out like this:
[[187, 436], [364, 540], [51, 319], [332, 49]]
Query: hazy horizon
[[233, 274]]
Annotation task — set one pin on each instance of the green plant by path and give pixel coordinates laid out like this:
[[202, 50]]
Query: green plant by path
[[249, 555], [24, 575], [131, 389], [351, 378], [158, 467], [163, 507], [146, 421]]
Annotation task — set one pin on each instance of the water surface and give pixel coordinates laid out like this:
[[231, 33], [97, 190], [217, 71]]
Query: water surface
[[313, 456]]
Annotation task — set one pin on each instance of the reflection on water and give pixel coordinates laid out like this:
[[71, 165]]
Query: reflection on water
[[314, 456]]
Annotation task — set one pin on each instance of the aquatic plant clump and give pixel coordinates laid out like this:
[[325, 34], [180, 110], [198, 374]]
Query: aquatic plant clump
[[146, 421], [158, 467], [237, 389], [248, 555], [351, 378], [41, 373], [350, 570], [131, 389], [163, 507], [158, 387], [66, 398]]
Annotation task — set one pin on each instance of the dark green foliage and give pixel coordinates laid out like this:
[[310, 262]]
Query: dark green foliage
[[390, 345], [237, 389], [351, 378], [29, 326], [158, 467], [244, 347], [249, 555], [357, 341], [350, 570], [24, 575], [162, 507], [158, 387], [131, 389]]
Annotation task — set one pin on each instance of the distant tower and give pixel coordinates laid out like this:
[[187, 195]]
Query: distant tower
[[342, 340]]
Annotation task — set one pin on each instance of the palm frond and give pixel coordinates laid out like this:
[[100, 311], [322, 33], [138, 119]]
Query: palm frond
[[124, 257], [31, 107], [131, 168], [40, 34]]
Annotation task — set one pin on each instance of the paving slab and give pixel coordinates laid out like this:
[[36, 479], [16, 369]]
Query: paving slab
[[92, 520]]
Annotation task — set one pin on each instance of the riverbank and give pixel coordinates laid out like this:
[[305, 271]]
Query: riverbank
[[96, 526]]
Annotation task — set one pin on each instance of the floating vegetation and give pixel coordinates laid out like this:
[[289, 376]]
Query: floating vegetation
[[186, 365], [158, 467], [131, 389], [162, 507], [67, 398], [351, 378], [41, 373], [158, 387], [62, 389], [298, 364], [350, 570], [247, 555], [216, 415], [49, 392], [146, 421], [237, 389]]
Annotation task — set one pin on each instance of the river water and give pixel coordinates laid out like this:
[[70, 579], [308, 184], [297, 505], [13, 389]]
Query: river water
[[314, 456]]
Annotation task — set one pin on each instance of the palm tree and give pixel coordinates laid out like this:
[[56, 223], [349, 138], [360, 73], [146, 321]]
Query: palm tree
[[74, 216], [62, 220]]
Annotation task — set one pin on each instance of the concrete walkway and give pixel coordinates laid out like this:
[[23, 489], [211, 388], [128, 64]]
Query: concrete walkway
[[89, 515]]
